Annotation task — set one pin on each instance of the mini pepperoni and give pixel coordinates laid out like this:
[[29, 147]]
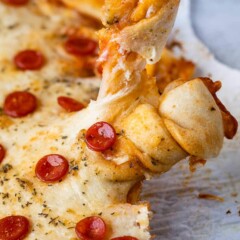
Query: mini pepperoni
[[124, 238], [2, 153], [51, 168], [70, 104], [29, 60], [16, 3], [19, 104], [81, 46], [100, 136], [14, 228], [91, 228]]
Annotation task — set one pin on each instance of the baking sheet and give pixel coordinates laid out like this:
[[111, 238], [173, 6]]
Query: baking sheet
[[178, 212]]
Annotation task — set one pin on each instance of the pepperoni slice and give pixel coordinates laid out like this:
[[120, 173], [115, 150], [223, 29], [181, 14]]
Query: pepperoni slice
[[91, 228], [51, 168], [14, 228], [100, 136], [16, 3], [124, 238], [19, 104], [70, 104], [2, 153], [81, 46], [29, 60]]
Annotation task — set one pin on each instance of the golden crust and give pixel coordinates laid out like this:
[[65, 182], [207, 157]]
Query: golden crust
[[148, 36], [197, 127], [147, 131]]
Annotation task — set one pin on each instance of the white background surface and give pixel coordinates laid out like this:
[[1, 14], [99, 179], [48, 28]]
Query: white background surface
[[178, 212], [217, 24]]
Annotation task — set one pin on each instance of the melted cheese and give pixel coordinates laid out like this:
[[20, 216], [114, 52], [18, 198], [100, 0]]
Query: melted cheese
[[54, 209]]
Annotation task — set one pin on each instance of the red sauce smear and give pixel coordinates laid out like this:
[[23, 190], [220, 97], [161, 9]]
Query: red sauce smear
[[194, 162], [210, 197], [230, 123]]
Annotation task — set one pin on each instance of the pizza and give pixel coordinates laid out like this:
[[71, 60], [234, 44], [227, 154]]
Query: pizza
[[83, 124]]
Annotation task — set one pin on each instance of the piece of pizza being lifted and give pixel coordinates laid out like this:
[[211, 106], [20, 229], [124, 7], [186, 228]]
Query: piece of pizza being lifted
[[78, 174]]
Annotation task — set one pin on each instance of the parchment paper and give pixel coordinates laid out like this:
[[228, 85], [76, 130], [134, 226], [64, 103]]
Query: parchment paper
[[178, 212]]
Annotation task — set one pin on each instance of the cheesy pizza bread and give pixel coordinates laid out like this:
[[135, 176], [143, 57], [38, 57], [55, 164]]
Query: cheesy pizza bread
[[73, 157]]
